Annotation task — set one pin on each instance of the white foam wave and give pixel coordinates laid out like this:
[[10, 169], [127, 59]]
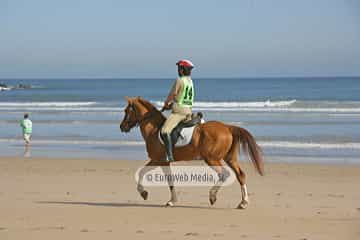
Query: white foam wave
[[45, 104], [291, 106], [264, 104], [293, 110], [5, 88], [216, 109], [264, 144], [304, 145], [77, 142], [67, 109], [276, 106]]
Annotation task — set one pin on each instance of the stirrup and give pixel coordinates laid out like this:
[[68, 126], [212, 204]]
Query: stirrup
[[169, 159]]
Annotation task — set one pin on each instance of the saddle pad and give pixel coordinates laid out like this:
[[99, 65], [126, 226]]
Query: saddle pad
[[185, 137]]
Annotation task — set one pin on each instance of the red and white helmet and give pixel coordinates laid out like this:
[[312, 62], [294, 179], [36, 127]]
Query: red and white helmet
[[185, 63]]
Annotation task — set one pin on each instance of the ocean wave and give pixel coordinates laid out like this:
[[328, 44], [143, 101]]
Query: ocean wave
[[291, 110], [264, 104], [311, 145], [120, 109], [45, 104], [5, 88], [63, 109], [263, 144], [76, 142], [291, 106]]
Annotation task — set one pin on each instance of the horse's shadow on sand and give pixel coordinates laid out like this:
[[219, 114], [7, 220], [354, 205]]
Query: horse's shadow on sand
[[125, 205]]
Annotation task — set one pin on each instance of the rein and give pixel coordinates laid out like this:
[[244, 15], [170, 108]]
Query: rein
[[146, 117]]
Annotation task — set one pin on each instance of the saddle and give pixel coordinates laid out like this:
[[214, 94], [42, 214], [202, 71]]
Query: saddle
[[181, 135]]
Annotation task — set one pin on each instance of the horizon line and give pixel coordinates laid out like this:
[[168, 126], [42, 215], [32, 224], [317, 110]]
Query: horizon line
[[134, 78]]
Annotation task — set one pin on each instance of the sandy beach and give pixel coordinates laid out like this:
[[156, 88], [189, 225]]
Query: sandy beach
[[94, 199]]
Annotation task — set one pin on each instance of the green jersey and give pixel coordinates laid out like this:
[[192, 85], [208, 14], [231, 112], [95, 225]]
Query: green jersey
[[187, 95], [26, 125]]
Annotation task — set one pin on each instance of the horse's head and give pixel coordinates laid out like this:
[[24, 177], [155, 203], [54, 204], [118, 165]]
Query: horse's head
[[131, 116], [137, 111]]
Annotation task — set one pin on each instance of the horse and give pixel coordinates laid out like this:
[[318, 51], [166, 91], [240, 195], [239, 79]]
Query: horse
[[213, 141]]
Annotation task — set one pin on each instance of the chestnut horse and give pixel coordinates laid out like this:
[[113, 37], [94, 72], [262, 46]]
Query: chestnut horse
[[212, 142]]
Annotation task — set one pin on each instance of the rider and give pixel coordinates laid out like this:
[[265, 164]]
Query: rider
[[180, 100]]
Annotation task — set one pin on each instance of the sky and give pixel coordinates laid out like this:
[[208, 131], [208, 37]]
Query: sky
[[140, 39]]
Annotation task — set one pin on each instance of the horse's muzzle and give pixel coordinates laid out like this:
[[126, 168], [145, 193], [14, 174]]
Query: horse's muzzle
[[123, 128]]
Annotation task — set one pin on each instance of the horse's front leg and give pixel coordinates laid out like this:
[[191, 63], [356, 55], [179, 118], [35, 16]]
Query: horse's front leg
[[148, 167], [168, 173]]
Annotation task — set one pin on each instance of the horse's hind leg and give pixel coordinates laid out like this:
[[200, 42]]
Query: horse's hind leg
[[222, 174], [240, 175], [232, 161]]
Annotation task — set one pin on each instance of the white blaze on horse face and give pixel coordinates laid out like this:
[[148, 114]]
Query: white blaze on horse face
[[244, 193]]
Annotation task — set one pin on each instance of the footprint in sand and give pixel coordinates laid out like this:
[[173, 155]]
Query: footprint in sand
[[139, 231], [2, 229], [233, 225], [336, 195], [191, 234], [57, 228], [35, 229], [218, 234], [89, 170]]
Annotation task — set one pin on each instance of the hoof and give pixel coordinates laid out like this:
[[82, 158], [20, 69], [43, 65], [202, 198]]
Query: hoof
[[212, 199], [243, 205], [169, 204], [144, 195]]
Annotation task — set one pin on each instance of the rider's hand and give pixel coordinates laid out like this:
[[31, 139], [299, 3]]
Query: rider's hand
[[167, 105]]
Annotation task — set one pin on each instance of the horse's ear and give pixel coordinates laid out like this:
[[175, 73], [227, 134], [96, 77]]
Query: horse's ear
[[128, 99]]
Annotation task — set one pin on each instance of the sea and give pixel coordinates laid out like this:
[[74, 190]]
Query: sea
[[311, 119]]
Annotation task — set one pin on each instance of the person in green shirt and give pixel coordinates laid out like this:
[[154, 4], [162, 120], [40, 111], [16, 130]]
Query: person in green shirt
[[26, 125], [180, 100]]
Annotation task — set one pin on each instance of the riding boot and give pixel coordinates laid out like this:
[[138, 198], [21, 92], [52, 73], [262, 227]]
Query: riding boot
[[168, 147]]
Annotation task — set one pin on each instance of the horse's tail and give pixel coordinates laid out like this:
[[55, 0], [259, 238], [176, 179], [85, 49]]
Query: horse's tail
[[250, 147]]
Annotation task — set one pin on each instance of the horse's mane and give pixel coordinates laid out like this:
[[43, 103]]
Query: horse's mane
[[158, 117], [147, 104]]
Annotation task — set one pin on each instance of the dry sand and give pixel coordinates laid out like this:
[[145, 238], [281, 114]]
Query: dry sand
[[97, 199]]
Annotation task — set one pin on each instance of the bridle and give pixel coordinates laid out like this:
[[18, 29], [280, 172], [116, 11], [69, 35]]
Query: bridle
[[139, 120]]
